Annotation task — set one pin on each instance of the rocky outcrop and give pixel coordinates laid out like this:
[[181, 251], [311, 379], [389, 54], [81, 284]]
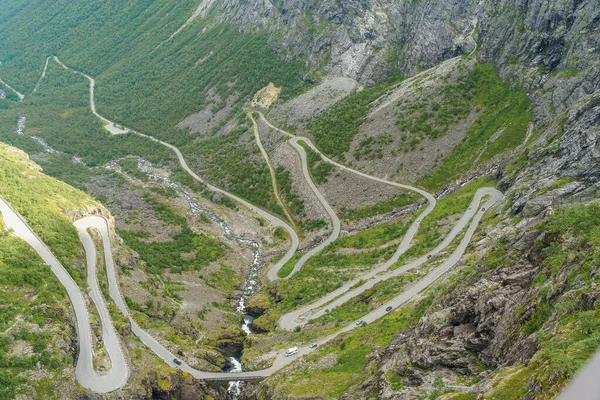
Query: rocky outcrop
[[179, 386], [365, 39], [549, 48]]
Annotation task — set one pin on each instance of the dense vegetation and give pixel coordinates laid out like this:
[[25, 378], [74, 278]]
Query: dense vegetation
[[186, 251], [372, 147], [335, 129], [293, 202], [144, 81], [29, 291], [233, 161], [318, 168], [43, 202], [59, 113], [505, 113]]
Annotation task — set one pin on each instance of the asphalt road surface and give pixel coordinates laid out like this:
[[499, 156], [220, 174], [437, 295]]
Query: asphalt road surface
[[84, 370], [119, 371], [340, 296], [275, 221], [335, 232]]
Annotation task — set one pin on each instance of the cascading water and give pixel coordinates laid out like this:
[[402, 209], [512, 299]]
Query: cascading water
[[252, 281], [21, 124], [43, 143], [21, 131]]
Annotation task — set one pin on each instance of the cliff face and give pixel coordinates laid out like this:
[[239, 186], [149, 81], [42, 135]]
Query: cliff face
[[365, 39], [550, 48]]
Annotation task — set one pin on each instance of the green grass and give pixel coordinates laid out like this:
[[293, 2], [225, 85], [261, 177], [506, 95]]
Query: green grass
[[44, 203], [504, 117], [430, 233], [513, 387], [225, 279], [395, 380], [369, 300], [186, 251], [335, 129], [375, 236], [291, 198], [288, 267], [352, 363], [313, 225], [383, 207], [461, 396]]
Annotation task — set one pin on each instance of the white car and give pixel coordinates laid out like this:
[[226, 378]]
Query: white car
[[291, 351]]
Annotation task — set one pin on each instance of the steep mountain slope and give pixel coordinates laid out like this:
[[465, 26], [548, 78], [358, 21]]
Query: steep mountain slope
[[548, 48], [450, 96]]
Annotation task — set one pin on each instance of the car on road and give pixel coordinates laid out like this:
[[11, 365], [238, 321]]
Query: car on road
[[176, 361], [388, 309], [291, 351], [428, 256], [312, 345], [483, 209], [360, 322]]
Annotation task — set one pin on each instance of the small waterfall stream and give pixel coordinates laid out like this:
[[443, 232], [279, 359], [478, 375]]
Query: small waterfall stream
[[21, 123], [253, 273]]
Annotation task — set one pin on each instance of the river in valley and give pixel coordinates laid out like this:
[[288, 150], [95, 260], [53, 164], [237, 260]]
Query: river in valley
[[253, 272]]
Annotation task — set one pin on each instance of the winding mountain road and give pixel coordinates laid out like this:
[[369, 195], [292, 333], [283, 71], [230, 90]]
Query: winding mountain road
[[271, 169], [275, 221], [118, 373], [348, 291], [84, 370], [335, 232], [42, 76], [20, 95]]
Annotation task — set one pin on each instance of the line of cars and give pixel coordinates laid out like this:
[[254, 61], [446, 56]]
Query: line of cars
[[294, 350]]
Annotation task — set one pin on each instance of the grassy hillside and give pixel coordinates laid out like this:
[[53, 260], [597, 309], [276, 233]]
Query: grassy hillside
[[445, 123], [549, 325], [34, 305], [143, 81], [45, 203], [335, 129], [505, 113]]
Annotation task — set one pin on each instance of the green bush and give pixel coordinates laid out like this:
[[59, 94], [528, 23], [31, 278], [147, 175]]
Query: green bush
[[335, 129]]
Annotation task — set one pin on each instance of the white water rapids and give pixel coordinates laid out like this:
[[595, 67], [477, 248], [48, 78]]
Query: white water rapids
[[195, 207]]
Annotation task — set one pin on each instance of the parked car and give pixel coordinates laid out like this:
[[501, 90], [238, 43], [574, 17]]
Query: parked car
[[176, 361], [360, 322], [312, 345], [388, 309]]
